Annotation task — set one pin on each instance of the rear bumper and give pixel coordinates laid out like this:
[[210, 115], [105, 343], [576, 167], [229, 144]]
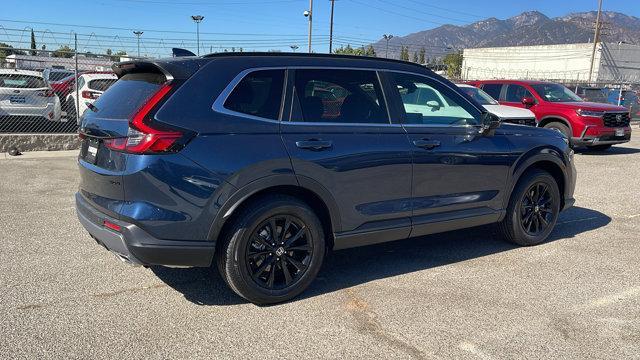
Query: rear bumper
[[134, 245]]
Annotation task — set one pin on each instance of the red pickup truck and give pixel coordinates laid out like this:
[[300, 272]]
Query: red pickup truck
[[595, 125]]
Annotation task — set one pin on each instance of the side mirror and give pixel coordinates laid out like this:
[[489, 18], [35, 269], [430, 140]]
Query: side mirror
[[490, 122], [528, 101], [433, 104]]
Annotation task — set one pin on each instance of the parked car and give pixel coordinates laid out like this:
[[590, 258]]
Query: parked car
[[508, 114], [592, 94], [52, 75], [90, 87], [65, 86], [597, 126], [231, 159], [25, 96], [627, 98]]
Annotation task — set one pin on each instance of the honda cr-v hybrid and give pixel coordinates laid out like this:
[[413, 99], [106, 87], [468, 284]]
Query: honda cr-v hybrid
[[262, 163]]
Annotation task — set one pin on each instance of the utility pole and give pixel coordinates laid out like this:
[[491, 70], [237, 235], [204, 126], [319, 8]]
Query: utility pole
[[309, 14], [333, 2], [138, 34], [387, 37], [197, 19], [596, 39]]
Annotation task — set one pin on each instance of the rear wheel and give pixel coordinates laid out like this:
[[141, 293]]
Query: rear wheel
[[560, 127], [273, 250], [533, 209], [599, 147]]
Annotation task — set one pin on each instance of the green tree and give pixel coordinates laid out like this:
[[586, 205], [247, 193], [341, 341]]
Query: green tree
[[33, 44], [117, 55], [404, 53], [415, 57], [454, 64], [63, 51], [109, 52], [370, 51], [6, 50], [422, 59]]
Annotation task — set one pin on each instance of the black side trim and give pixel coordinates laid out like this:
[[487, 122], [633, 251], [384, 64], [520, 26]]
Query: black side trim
[[373, 233], [454, 220]]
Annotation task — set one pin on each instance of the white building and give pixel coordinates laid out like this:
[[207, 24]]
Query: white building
[[569, 62], [39, 62]]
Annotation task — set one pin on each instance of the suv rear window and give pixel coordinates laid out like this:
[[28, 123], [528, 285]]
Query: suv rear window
[[258, 94], [493, 90], [21, 81], [126, 96], [101, 84]]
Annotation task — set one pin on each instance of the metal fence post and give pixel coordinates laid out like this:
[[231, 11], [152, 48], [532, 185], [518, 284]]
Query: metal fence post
[[75, 36]]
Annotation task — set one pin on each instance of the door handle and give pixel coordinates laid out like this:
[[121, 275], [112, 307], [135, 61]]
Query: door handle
[[426, 143], [314, 144]]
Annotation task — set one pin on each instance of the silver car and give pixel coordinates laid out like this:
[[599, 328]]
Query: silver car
[[24, 95]]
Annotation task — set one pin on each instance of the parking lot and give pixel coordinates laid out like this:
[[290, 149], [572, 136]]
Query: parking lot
[[456, 295]]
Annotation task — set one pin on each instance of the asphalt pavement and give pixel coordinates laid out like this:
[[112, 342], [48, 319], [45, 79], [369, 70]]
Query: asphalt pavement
[[462, 295]]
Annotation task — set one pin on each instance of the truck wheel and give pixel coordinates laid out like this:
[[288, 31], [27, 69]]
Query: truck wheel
[[273, 250], [533, 209], [561, 128]]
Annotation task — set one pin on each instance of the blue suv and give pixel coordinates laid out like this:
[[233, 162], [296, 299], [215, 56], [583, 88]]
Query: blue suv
[[263, 163]]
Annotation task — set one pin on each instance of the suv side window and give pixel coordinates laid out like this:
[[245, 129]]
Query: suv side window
[[258, 94], [515, 93], [493, 90], [338, 96], [427, 101]]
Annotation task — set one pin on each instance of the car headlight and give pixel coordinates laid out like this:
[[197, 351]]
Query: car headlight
[[590, 113]]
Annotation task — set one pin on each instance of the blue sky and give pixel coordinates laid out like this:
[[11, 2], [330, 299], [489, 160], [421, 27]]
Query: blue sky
[[254, 24]]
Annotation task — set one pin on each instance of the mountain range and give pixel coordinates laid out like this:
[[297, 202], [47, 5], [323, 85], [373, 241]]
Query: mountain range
[[528, 28]]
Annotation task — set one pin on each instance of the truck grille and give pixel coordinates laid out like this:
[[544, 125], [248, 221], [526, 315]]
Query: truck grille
[[616, 119]]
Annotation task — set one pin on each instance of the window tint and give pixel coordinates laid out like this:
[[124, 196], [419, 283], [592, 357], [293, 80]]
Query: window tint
[[21, 81], [344, 96], [59, 75], [101, 84], [515, 93], [258, 94], [493, 90], [429, 102], [126, 96]]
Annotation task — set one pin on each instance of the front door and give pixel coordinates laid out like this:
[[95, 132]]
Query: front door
[[340, 137], [459, 175]]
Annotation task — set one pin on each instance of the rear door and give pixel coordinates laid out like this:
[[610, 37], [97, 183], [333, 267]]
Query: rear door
[[101, 168], [347, 144]]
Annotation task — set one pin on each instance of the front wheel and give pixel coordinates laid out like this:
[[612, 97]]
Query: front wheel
[[561, 128], [533, 209], [273, 250]]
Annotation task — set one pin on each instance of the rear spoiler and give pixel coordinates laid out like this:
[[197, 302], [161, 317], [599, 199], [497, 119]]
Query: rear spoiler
[[177, 52], [176, 68]]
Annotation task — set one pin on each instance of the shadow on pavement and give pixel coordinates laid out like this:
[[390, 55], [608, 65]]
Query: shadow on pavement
[[351, 267], [614, 150]]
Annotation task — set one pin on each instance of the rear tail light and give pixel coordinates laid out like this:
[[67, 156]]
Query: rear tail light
[[91, 95], [46, 93], [142, 137]]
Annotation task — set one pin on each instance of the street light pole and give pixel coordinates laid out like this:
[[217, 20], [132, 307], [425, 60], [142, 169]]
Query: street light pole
[[294, 47], [198, 19], [387, 37], [138, 34], [309, 14], [596, 38], [333, 2]]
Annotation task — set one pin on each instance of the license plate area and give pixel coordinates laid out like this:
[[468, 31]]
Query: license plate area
[[619, 132], [90, 150]]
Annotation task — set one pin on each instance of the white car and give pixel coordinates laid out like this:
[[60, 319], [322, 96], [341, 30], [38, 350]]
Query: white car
[[90, 87], [25, 96], [508, 114]]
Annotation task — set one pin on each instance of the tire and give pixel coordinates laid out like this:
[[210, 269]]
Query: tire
[[599, 147], [257, 270], [564, 129], [514, 227]]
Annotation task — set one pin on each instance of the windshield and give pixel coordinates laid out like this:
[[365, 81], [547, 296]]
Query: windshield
[[555, 93], [479, 96]]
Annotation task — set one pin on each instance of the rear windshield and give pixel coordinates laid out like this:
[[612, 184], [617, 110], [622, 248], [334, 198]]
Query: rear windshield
[[101, 84], [21, 81], [126, 96], [59, 75]]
